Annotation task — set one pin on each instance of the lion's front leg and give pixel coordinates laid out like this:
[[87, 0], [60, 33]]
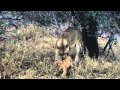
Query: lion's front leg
[[77, 54], [57, 56], [76, 59]]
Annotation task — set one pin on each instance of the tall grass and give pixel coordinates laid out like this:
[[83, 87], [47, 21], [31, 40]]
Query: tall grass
[[30, 55]]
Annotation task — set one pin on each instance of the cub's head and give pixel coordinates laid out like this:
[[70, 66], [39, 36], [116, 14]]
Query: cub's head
[[58, 63]]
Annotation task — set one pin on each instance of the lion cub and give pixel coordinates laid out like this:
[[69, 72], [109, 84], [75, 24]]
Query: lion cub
[[64, 65]]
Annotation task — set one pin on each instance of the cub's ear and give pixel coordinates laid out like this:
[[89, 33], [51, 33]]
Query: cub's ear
[[55, 63], [60, 63]]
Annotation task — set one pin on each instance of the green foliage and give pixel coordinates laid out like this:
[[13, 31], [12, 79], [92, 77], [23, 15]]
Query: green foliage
[[2, 31]]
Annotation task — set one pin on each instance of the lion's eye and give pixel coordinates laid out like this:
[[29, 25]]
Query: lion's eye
[[66, 46], [58, 47]]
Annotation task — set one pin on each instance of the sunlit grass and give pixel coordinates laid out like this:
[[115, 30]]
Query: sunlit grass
[[31, 56]]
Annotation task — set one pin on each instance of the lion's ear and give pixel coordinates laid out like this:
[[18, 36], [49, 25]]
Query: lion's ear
[[65, 35]]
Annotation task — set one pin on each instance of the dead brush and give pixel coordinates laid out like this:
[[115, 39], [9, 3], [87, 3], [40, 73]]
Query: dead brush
[[34, 51], [31, 32], [8, 67]]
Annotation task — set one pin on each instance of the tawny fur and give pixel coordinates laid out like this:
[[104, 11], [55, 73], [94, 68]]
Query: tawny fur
[[68, 43]]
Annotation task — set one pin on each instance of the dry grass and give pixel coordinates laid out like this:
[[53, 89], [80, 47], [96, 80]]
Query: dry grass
[[32, 57]]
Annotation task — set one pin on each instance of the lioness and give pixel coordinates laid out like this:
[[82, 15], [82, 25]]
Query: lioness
[[64, 65], [65, 44]]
